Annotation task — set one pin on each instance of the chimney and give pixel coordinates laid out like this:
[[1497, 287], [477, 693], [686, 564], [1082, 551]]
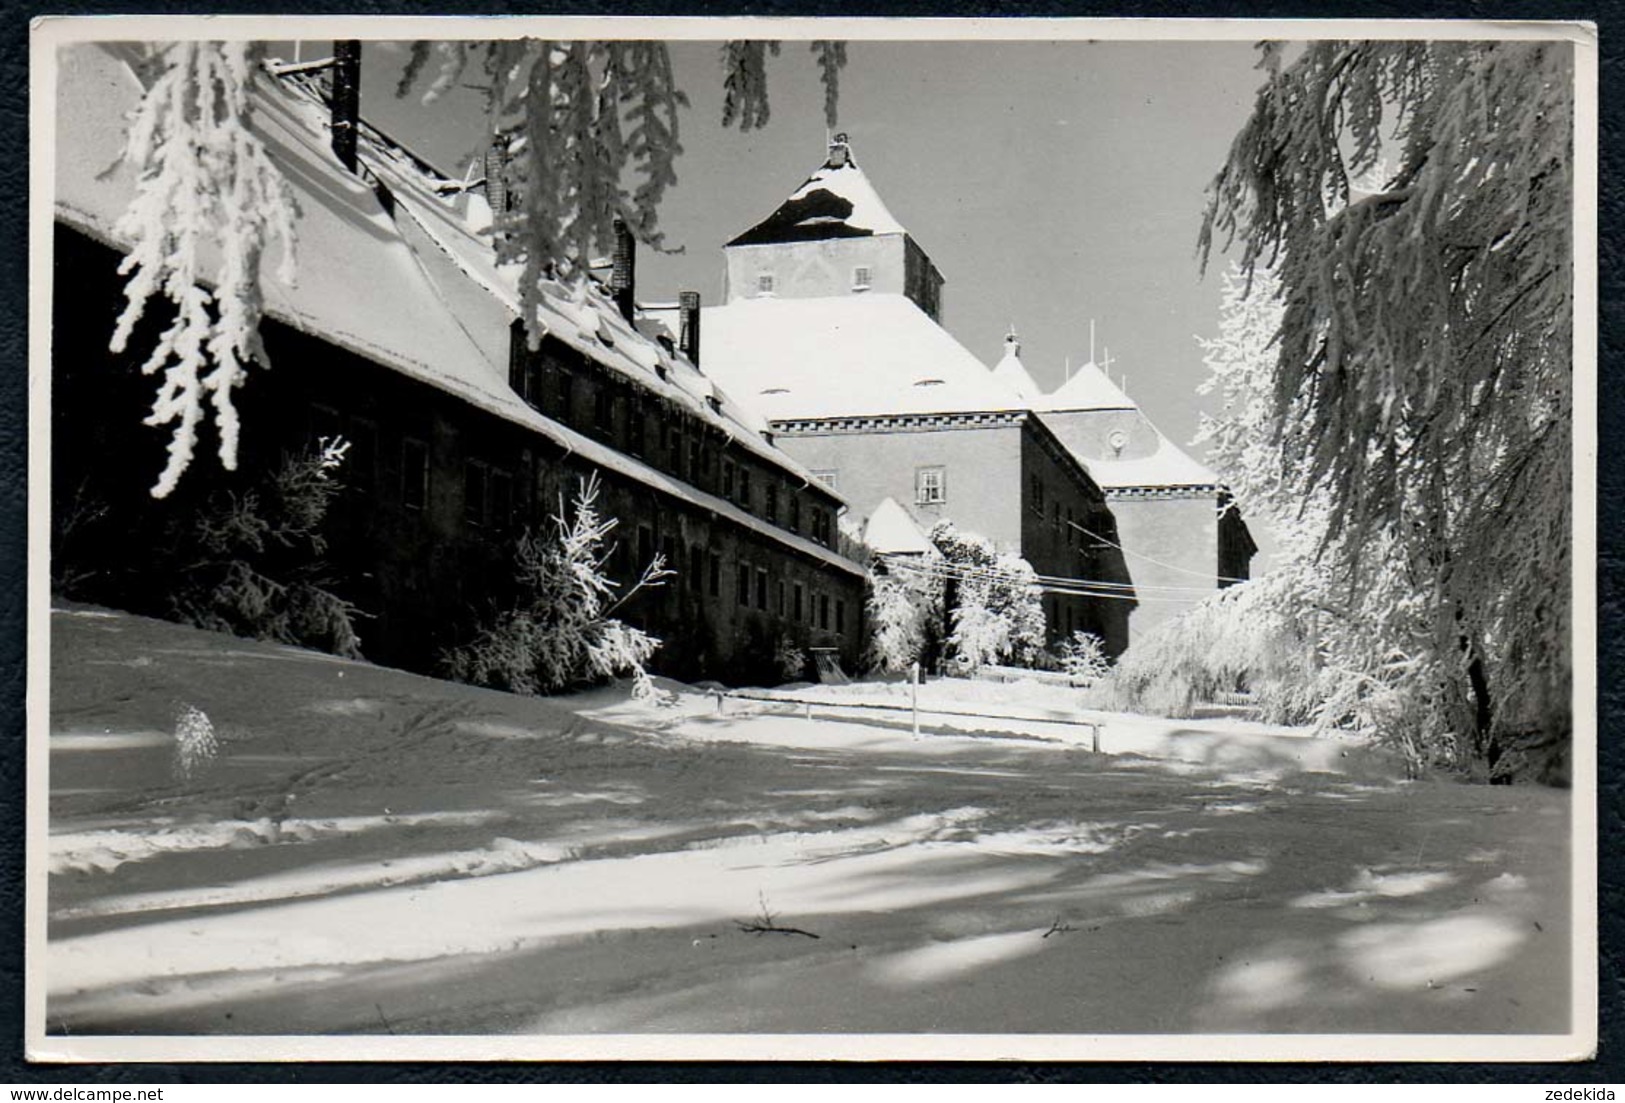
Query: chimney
[[623, 277], [688, 334], [840, 152], [346, 99]]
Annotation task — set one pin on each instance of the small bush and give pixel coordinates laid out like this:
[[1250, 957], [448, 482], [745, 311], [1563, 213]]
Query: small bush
[[1084, 656], [562, 632]]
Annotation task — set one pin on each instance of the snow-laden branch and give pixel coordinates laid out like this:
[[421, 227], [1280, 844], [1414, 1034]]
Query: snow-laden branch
[[203, 181]]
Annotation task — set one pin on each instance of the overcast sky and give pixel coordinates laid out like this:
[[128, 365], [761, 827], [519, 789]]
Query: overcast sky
[[1050, 182]]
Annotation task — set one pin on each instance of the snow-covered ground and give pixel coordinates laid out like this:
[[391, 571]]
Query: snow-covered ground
[[367, 851]]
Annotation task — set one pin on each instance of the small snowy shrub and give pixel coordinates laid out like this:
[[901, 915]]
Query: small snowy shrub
[[561, 632], [195, 743], [790, 658], [1084, 656], [259, 568]]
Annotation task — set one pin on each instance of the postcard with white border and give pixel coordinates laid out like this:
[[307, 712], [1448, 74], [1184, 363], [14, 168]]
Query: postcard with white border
[[599, 538]]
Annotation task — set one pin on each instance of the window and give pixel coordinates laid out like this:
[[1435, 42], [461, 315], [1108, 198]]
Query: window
[[930, 485], [646, 547], [772, 504], [1035, 494], [828, 478], [860, 278], [780, 607], [795, 517], [414, 474], [474, 493], [744, 487], [761, 588], [635, 426], [840, 616], [1055, 516], [696, 564], [742, 585], [716, 574], [499, 499], [727, 479], [796, 614], [567, 394], [603, 408], [764, 283], [823, 611], [693, 458], [518, 377], [360, 468]]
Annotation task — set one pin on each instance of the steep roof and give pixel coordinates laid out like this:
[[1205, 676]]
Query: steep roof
[[1088, 389], [858, 355], [1013, 373], [891, 531], [836, 201], [410, 288]]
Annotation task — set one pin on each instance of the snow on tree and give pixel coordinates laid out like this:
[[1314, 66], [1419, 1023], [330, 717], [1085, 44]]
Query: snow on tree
[[577, 119], [997, 613], [1084, 656], [251, 561], [1420, 391], [904, 608], [203, 182], [562, 631]]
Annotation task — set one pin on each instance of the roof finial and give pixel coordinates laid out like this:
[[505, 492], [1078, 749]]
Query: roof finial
[[1012, 343], [840, 151]]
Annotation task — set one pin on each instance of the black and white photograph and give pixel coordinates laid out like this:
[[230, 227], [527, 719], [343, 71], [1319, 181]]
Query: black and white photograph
[[560, 538]]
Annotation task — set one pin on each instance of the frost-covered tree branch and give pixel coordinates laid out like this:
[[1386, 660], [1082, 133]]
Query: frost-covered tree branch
[[204, 184], [1416, 401]]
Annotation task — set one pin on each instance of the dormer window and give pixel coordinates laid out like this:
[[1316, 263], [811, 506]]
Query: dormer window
[[764, 283], [861, 278]]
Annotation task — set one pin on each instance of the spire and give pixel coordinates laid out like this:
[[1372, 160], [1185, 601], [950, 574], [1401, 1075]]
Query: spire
[[836, 201], [1013, 373]]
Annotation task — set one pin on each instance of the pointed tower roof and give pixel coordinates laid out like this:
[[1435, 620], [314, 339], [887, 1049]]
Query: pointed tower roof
[[836, 201], [891, 531], [1089, 389], [1013, 373]]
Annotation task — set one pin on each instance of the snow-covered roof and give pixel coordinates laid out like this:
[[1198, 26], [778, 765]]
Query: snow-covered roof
[[1088, 389], [1013, 373], [1166, 468], [859, 355], [836, 201], [414, 290], [891, 531]]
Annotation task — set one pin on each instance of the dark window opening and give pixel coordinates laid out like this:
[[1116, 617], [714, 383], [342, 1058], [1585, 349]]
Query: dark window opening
[[823, 611], [840, 616], [696, 563], [474, 493], [742, 585], [499, 499], [796, 615], [716, 574], [414, 474], [771, 506], [761, 588], [744, 487]]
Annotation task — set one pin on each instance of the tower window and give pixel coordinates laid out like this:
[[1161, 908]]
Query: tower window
[[764, 283], [861, 278]]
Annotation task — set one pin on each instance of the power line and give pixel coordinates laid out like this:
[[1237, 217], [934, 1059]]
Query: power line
[[1060, 580], [1148, 559], [1079, 587]]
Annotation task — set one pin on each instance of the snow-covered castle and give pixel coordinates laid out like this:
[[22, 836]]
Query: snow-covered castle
[[1179, 532], [831, 330]]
